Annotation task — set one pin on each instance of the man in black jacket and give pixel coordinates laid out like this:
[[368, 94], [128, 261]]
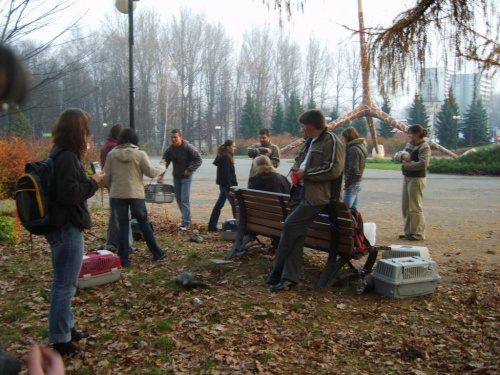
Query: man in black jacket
[[186, 160]]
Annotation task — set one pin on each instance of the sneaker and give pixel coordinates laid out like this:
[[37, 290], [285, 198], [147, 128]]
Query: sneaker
[[133, 250], [283, 285], [183, 228]]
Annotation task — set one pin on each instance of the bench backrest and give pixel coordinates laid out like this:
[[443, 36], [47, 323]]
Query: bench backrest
[[263, 213]]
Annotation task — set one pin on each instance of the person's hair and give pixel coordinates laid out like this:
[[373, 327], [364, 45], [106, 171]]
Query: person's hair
[[264, 131], [222, 150], [115, 131], [418, 129], [262, 164], [128, 136], [14, 81], [313, 117], [71, 130], [176, 131], [350, 134]]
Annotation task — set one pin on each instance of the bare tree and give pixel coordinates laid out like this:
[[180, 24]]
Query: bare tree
[[258, 58], [186, 43]]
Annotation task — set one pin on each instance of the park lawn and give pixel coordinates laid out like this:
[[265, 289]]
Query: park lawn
[[146, 324]]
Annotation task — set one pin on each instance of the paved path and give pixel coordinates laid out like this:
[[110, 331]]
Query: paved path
[[447, 197]]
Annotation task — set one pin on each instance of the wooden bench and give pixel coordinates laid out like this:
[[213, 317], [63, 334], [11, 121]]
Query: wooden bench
[[262, 213]]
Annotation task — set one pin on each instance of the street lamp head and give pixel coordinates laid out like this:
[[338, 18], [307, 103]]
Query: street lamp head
[[122, 5]]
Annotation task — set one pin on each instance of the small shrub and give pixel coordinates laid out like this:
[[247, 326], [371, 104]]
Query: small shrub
[[484, 162], [7, 230], [14, 154]]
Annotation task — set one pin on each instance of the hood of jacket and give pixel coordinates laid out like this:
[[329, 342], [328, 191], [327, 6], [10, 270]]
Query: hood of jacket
[[125, 153], [360, 144]]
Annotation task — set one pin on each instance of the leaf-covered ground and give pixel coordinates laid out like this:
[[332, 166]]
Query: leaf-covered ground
[[146, 324]]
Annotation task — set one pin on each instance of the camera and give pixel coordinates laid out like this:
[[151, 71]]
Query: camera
[[96, 167]]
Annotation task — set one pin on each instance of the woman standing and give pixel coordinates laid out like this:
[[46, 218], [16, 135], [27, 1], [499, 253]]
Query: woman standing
[[356, 154], [125, 166], [226, 177], [414, 171], [70, 133]]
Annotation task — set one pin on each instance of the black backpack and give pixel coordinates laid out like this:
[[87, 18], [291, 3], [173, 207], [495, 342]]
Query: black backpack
[[34, 193]]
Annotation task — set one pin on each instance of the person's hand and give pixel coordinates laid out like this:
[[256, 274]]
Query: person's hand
[[43, 361], [300, 174], [187, 173], [98, 176], [406, 158], [163, 162], [160, 179]]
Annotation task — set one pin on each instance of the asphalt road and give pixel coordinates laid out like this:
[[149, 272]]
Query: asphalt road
[[446, 197]]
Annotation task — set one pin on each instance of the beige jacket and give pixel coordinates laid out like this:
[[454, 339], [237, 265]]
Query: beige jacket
[[125, 166]]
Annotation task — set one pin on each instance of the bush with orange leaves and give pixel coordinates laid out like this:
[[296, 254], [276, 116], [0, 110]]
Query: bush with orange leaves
[[14, 154]]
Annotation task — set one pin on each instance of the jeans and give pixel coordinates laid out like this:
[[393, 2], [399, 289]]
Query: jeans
[[112, 236], [139, 212], [182, 190], [351, 195], [66, 245], [214, 217]]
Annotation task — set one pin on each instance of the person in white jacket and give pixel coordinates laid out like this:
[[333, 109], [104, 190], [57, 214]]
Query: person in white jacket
[[125, 166]]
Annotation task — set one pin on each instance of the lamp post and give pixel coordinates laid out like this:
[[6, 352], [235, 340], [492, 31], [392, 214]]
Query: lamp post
[[128, 6], [218, 129]]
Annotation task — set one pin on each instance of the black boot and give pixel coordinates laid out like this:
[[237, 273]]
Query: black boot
[[66, 348], [77, 336]]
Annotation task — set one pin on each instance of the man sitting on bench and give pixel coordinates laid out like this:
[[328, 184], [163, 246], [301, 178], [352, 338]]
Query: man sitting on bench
[[317, 177]]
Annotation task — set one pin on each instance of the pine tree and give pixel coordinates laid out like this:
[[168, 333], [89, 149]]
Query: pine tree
[[475, 125], [447, 125], [278, 121], [361, 126], [384, 129], [293, 112], [19, 124], [251, 120], [335, 115], [312, 104], [417, 114]]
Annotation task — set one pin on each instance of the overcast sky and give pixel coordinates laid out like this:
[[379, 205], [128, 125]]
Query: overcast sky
[[322, 18]]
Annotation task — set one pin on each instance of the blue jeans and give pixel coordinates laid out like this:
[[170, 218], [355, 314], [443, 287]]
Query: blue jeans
[[66, 245], [112, 235], [138, 209], [351, 195], [182, 190], [214, 217]]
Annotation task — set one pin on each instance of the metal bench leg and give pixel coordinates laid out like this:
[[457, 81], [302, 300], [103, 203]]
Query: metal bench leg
[[240, 244], [370, 261], [333, 265]]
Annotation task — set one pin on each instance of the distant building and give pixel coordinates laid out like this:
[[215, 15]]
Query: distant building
[[437, 82]]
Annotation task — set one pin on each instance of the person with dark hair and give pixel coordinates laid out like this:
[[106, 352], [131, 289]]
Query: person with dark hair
[[317, 176], [414, 167], [114, 133], [112, 235], [356, 154], [264, 147], [186, 160], [226, 177], [125, 166], [73, 188], [14, 81]]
